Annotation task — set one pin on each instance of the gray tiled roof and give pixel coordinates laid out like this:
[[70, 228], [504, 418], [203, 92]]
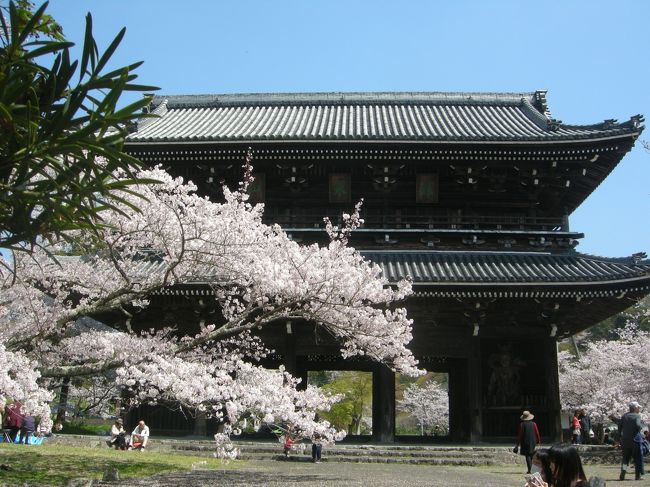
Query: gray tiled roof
[[364, 116], [458, 268], [502, 267]]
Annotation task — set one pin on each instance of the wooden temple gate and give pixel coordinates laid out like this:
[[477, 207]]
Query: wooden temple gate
[[468, 195]]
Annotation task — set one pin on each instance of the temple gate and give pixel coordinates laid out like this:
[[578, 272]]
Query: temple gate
[[467, 194]]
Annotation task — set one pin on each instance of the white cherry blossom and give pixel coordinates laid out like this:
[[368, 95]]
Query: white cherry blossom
[[257, 276]]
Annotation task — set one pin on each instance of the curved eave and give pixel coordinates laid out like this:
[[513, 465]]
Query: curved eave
[[633, 135], [615, 288]]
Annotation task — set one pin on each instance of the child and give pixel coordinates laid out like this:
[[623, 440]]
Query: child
[[288, 443]]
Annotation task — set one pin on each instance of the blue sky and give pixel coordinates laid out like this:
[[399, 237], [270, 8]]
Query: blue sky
[[590, 55]]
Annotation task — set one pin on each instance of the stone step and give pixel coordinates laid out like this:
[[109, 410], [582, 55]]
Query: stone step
[[362, 453], [351, 451], [358, 453], [348, 452], [329, 457], [412, 454], [458, 461]]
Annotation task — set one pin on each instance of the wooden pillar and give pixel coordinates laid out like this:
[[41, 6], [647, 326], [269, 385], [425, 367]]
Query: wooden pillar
[[553, 390], [63, 400], [474, 390], [291, 363], [289, 355], [458, 411], [383, 405]]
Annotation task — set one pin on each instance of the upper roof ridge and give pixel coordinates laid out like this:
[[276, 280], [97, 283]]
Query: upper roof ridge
[[346, 98], [638, 258]]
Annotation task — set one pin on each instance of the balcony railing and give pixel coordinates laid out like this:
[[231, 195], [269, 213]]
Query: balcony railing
[[406, 220]]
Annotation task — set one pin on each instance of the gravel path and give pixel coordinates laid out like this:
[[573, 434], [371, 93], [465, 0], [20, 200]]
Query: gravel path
[[282, 474]]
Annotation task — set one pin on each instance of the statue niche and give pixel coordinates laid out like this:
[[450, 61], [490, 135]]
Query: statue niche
[[504, 385]]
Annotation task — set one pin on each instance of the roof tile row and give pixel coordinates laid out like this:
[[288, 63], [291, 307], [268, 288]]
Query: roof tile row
[[501, 267], [489, 117]]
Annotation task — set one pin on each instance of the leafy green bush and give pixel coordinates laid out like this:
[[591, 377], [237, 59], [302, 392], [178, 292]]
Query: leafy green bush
[[84, 427]]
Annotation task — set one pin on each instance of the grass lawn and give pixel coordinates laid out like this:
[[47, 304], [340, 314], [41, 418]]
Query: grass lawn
[[55, 464]]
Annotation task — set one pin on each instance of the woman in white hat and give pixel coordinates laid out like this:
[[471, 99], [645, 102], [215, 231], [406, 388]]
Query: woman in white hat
[[527, 438], [118, 439]]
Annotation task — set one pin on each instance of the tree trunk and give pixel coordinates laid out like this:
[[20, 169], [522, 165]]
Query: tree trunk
[[355, 426], [63, 400]]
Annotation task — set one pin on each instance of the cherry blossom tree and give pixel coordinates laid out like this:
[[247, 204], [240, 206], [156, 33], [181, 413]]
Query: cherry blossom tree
[[429, 404], [257, 276], [609, 374]]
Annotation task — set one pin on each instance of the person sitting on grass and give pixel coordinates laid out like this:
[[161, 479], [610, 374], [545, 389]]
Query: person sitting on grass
[[118, 435], [13, 419], [140, 436], [27, 429]]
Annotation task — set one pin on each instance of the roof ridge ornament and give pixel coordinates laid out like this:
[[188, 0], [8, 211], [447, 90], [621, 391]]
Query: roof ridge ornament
[[541, 102], [637, 121], [553, 124], [609, 123]]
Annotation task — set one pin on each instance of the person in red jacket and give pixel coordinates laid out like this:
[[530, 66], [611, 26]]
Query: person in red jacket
[[288, 443], [13, 419], [576, 428], [527, 438]]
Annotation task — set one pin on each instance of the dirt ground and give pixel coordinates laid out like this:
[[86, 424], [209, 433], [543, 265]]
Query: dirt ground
[[282, 474]]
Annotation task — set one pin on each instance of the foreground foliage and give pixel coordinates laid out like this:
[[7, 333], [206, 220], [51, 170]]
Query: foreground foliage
[[55, 464], [61, 129]]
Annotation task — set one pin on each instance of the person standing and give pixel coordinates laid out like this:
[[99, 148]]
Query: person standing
[[629, 427], [608, 439], [585, 427], [527, 438], [288, 444], [316, 448], [575, 428]]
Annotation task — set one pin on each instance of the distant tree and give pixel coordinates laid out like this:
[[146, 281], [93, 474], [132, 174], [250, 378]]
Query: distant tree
[[319, 378], [355, 389], [608, 374], [61, 130], [609, 329], [429, 405], [93, 396]]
